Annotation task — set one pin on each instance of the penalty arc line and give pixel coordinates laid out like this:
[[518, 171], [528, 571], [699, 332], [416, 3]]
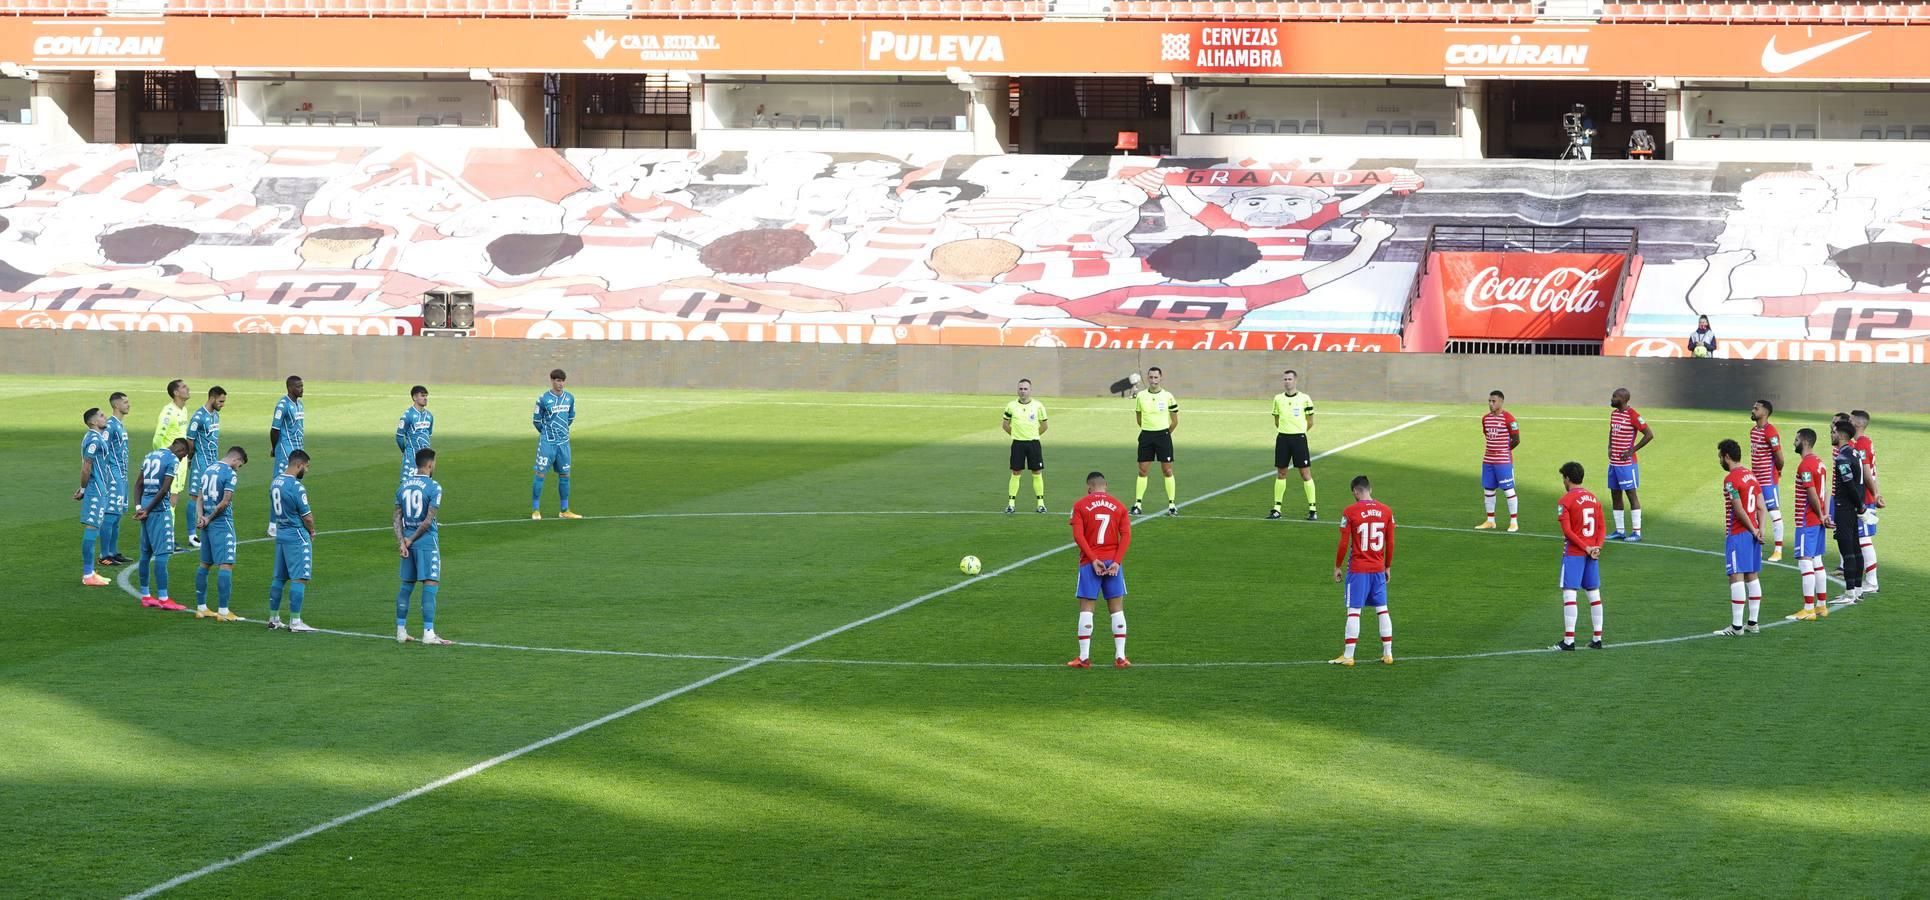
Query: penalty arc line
[[674, 693]]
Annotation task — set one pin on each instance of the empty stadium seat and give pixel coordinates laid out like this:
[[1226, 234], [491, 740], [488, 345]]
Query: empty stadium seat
[[1871, 133], [1425, 127], [1290, 126], [1806, 132], [809, 122], [1376, 126], [1262, 126], [425, 121], [1239, 128], [1779, 132], [1754, 132], [1920, 133], [1402, 127], [1311, 126], [1896, 133]]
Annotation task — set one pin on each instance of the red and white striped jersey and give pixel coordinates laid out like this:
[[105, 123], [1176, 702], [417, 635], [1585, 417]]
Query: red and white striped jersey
[[1740, 483], [1763, 444], [1285, 243], [1172, 302], [631, 222], [991, 215], [1811, 474], [1623, 425], [1497, 428], [890, 249]]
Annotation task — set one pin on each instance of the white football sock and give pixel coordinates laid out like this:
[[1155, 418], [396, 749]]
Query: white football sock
[[1809, 583], [1822, 579], [1085, 635], [1595, 612], [1353, 633], [1755, 599], [1621, 524], [1776, 526], [1568, 616], [1487, 502], [1386, 631], [1514, 505], [1738, 597], [1119, 635], [1636, 516], [1869, 562]]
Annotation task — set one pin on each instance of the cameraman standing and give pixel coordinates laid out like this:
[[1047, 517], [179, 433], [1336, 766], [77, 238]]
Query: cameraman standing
[[1580, 127]]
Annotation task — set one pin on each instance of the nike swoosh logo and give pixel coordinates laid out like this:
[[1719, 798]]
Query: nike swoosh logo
[[1776, 62]]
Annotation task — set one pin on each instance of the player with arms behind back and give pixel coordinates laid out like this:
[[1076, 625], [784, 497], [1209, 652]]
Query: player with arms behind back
[[555, 413], [1103, 530], [1812, 516], [294, 526], [117, 454], [1500, 435], [1872, 498], [1850, 480], [214, 518], [204, 441], [1292, 420], [1742, 516], [1367, 527], [158, 474], [1628, 433], [287, 430], [1156, 412], [1766, 463], [417, 503], [1580, 515]]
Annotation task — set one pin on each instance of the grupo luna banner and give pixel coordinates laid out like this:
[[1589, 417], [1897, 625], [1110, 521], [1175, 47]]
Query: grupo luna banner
[[1529, 296], [790, 245]]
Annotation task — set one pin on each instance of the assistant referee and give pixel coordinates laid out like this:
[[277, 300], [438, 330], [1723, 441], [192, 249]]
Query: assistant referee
[[1292, 418], [1025, 422], [1156, 411]]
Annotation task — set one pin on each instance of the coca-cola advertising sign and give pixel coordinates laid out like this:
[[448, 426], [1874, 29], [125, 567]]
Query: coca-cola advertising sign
[[1528, 296]]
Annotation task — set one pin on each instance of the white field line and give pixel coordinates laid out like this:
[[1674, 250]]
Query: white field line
[[1475, 411], [700, 683]]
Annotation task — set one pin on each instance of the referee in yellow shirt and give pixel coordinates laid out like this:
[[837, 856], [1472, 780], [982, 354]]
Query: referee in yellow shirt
[[1292, 418], [1025, 422], [1157, 412], [173, 425]]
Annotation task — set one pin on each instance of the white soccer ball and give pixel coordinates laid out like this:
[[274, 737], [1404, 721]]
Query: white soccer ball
[[1701, 351], [970, 565]]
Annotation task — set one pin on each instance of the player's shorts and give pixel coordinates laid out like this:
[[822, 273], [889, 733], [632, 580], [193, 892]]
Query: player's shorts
[[1581, 573], [294, 560], [1809, 541], [1092, 586], [157, 532], [93, 509], [218, 544], [1028, 455], [1771, 497], [1743, 554], [1366, 589], [281, 458], [1156, 446], [1497, 476], [1290, 451], [1624, 478], [1865, 527], [424, 562], [553, 457]]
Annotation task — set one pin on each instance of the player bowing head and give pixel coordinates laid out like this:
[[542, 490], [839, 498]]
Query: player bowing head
[[1742, 547], [1365, 558], [1580, 516], [1102, 529]]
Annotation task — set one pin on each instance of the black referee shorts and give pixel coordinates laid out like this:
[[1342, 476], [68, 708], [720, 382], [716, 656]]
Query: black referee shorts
[[1156, 446], [1028, 455], [1290, 452]]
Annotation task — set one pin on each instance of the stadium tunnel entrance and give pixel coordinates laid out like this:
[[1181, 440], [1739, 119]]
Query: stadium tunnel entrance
[[1084, 115], [1524, 118]]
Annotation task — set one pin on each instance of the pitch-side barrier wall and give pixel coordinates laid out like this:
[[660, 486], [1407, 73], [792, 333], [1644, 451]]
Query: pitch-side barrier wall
[[1055, 372]]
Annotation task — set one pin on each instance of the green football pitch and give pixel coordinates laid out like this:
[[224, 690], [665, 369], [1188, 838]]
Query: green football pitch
[[753, 669]]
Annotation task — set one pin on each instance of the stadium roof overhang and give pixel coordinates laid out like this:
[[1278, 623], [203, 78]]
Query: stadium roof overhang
[[893, 47]]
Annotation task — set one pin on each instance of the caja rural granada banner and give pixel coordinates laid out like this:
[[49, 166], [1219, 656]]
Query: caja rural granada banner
[[1755, 52]]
